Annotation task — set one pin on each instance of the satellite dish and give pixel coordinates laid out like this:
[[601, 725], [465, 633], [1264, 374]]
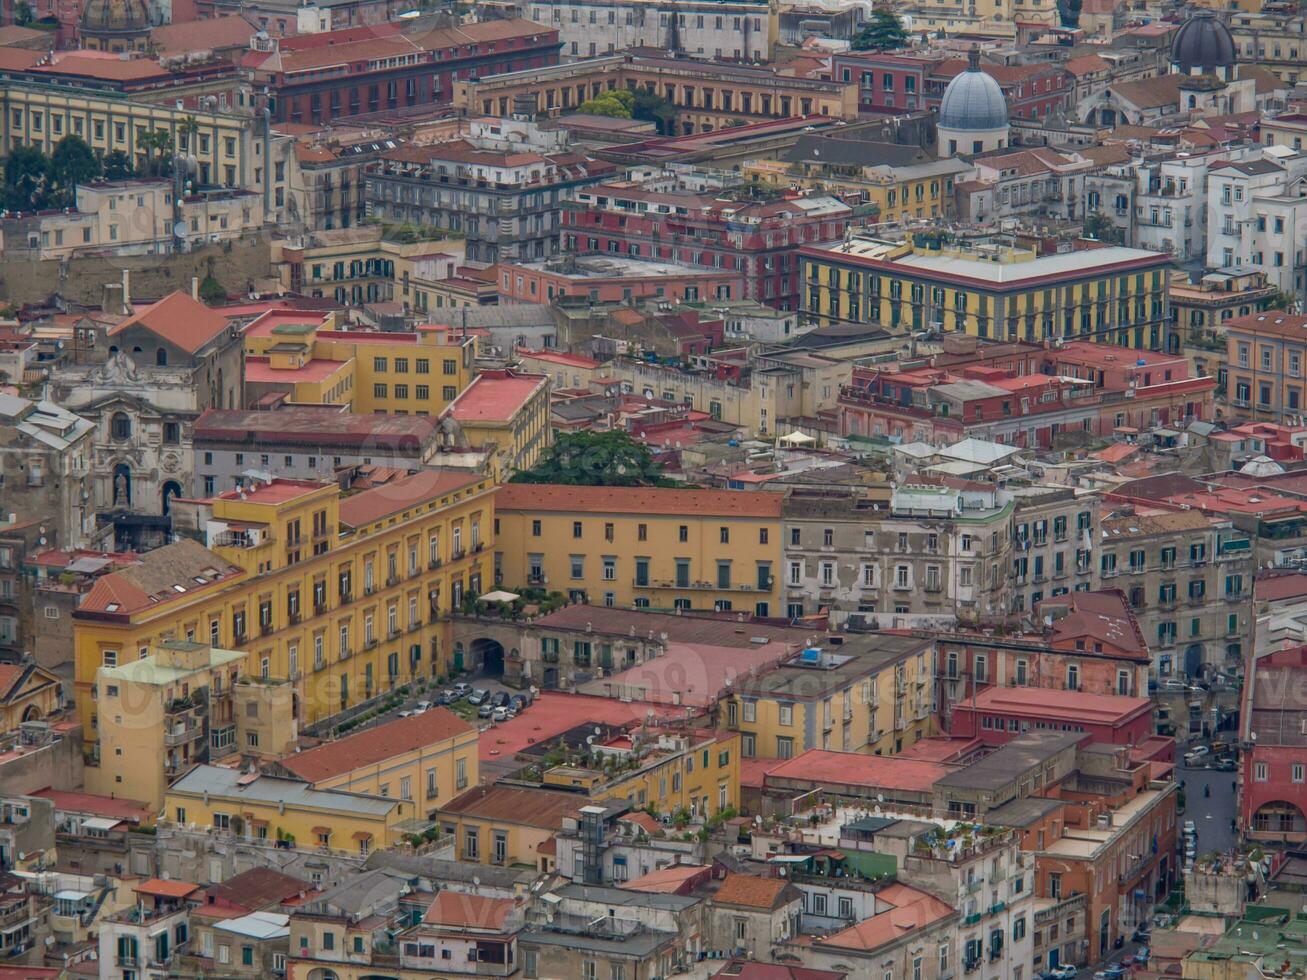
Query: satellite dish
[[179, 229]]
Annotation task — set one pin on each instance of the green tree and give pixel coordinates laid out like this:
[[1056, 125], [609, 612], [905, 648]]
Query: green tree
[[1101, 227], [657, 109], [157, 144], [23, 13], [883, 32], [117, 165], [1069, 12], [596, 459], [73, 162], [606, 105], [27, 179], [212, 291]]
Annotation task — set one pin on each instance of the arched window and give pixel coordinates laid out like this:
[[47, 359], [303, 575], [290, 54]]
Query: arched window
[[161, 357], [120, 426]]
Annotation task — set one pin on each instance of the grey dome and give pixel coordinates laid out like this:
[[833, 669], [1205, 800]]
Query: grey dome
[[973, 101], [1203, 42]]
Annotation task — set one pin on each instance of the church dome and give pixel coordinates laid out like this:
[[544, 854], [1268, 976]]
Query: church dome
[[111, 17], [973, 101], [1203, 43]]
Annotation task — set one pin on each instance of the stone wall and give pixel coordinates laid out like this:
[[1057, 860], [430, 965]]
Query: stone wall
[[236, 264]]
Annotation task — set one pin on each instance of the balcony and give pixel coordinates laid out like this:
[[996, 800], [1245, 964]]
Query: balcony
[[266, 629], [182, 736], [391, 581], [346, 597], [457, 554], [434, 563], [320, 607], [293, 617], [239, 637], [323, 532]]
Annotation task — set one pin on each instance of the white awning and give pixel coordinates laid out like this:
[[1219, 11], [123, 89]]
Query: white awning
[[100, 823]]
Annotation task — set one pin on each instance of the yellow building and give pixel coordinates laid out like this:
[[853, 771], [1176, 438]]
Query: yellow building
[[177, 705], [313, 358], [564, 370], [428, 759], [642, 547], [41, 115], [999, 288], [507, 412], [696, 771], [882, 191], [871, 694], [27, 693], [344, 598], [500, 824], [273, 808]]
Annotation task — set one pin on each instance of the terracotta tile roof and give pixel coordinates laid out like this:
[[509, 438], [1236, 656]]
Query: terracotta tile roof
[[540, 808], [1069, 706], [673, 880], [913, 910], [1272, 323], [490, 30], [349, 52], [462, 911], [1151, 93], [637, 500], [372, 505], [1086, 64], [160, 888], [741, 970], [1103, 155], [751, 891], [855, 769], [178, 319], [376, 745], [155, 578], [1098, 619], [257, 889]]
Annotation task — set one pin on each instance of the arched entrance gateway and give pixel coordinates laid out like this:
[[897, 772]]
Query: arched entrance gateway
[[488, 654]]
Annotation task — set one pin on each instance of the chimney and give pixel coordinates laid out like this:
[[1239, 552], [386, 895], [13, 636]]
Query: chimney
[[112, 299], [127, 290], [195, 287]]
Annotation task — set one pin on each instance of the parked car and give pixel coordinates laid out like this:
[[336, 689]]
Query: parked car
[[1199, 751], [422, 706], [1190, 827], [462, 689], [519, 703], [1173, 684], [500, 713], [1113, 971], [485, 710], [1142, 934], [478, 696], [1142, 955], [1060, 973], [499, 699], [406, 713]]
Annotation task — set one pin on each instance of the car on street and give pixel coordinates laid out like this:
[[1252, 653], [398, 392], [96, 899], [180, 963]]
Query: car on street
[[499, 699], [406, 713], [478, 696], [1060, 973], [1198, 751], [1225, 763], [1142, 934], [519, 703], [1173, 684], [1190, 827], [422, 706], [1142, 955], [485, 710], [500, 714], [462, 689], [1113, 971]]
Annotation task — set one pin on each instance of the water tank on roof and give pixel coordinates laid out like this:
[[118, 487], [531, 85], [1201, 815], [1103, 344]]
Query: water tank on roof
[[811, 655]]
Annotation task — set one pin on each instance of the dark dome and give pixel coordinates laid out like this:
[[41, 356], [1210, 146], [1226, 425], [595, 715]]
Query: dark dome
[[115, 17], [1204, 43]]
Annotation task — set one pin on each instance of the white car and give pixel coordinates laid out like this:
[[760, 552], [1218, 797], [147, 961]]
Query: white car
[[421, 706], [406, 713], [500, 714], [1190, 828]]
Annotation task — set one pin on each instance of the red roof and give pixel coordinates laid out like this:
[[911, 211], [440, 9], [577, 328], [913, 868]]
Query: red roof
[[258, 369], [1070, 706], [277, 491], [553, 713], [463, 911], [678, 879], [1273, 587], [855, 769], [160, 888], [741, 970], [752, 891], [133, 811], [559, 357], [411, 491], [183, 322], [495, 396], [376, 745], [637, 500], [912, 910]]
